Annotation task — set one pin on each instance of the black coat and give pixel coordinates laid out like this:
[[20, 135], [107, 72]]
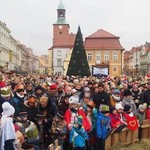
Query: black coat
[[101, 98], [146, 97]]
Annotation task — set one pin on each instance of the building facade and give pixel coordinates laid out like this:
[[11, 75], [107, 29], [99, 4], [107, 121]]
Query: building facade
[[15, 56], [8, 48], [137, 60], [43, 67], [63, 42], [103, 49]]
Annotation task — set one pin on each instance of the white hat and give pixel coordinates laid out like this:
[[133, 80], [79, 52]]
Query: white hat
[[73, 91], [73, 100], [87, 89], [118, 106], [8, 109]]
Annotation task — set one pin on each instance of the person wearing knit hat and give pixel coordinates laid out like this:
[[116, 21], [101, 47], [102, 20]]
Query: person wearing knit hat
[[127, 93], [104, 109], [8, 131], [115, 97], [128, 100], [127, 108], [78, 141], [103, 128], [141, 116], [118, 106]]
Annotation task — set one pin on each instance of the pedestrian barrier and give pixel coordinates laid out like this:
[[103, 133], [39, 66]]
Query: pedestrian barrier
[[127, 136], [54, 146]]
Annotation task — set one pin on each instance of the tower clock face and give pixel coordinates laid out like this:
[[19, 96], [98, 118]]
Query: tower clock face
[[60, 26]]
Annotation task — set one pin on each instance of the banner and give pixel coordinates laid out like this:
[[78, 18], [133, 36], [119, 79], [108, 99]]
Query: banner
[[99, 71], [132, 122]]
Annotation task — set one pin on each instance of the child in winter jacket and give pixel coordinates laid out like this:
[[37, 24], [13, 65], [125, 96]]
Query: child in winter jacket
[[140, 114], [102, 127], [115, 118], [78, 135]]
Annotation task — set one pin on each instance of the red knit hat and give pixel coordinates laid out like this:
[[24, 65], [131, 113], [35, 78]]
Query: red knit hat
[[53, 87]]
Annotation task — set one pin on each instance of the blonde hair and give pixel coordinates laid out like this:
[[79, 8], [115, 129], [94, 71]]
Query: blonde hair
[[43, 99]]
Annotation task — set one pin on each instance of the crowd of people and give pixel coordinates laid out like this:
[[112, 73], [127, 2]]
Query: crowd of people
[[80, 112]]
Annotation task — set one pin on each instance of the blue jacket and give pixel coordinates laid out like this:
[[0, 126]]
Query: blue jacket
[[78, 137], [102, 126]]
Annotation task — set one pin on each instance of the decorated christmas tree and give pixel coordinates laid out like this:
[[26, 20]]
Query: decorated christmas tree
[[78, 65]]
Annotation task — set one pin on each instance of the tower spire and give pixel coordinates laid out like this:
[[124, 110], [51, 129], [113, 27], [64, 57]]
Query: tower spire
[[61, 13]]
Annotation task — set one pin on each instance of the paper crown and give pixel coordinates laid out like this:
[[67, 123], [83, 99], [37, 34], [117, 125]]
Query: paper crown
[[5, 92]]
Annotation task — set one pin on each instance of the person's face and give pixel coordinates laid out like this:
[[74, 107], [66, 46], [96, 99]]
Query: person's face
[[21, 93], [31, 104], [67, 100], [68, 90], [96, 90], [115, 111], [129, 97], [148, 86], [125, 86], [89, 109], [43, 104], [100, 89], [53, 91], [39, 91], [142, 110], [86, 99], [73, 106], [120, 110], [29, 87], [7, 98], [24, 119], [106, 114], [117, 95]]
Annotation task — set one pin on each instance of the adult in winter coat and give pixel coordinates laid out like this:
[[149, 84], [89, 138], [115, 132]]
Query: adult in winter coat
[[19, 97], [59, 128], [49, 109], [146, 95], [31, 108], [127, 100], [64, 104], [101, 97]]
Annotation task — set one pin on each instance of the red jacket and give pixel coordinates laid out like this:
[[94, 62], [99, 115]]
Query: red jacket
[[148, 113], [115, 120], [80, 112]]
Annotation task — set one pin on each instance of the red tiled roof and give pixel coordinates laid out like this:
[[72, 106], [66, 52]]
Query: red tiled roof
[[103, 40], [64, 40], [102, 34]]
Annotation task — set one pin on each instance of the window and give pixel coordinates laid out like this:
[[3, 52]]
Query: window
[[98, 58], [106, 57], [58, 53], [58, 62], [115, 56], [89, 57]]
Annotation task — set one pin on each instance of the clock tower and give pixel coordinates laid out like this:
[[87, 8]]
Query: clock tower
[[60, 28]]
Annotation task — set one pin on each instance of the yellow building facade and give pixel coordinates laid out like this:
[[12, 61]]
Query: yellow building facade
[[103, 49]]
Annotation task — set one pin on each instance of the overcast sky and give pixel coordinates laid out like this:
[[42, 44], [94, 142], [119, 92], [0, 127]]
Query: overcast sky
[[30, 21]]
